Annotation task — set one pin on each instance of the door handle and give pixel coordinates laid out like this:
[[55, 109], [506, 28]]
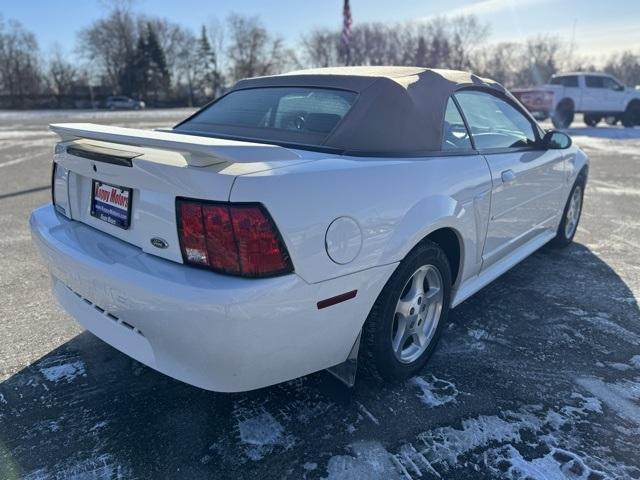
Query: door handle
[[508, 176]]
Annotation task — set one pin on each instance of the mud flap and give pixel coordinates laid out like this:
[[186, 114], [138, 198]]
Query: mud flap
[[346, 371]]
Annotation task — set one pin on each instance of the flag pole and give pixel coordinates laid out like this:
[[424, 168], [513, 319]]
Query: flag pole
[[346, 32]]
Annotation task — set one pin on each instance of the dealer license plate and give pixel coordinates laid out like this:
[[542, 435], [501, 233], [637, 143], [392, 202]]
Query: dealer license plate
[[111, 203]]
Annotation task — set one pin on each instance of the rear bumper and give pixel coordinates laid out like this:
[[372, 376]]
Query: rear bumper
[[216, 332]]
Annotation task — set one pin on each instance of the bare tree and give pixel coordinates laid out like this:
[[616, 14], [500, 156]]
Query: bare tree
[[320, 48], [441, 42], [217, 39], [502, 62], [186, 65], [109, 45], [467, 35], [62, 76], [253, 51], [20, 69], [544, 55], [171, 37], [625, 66]]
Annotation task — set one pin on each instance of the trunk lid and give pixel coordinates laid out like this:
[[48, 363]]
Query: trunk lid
[[157, 167]]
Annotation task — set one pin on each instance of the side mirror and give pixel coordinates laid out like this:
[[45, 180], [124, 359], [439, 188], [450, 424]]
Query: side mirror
[[555, 140]]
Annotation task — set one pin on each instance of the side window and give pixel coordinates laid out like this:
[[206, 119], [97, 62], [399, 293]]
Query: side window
[[565, 81], [594, 82], [612, 84], [570, 81], [495, 123], [454, 132]]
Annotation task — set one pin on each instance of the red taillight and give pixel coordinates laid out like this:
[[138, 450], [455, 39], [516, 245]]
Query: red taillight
[[234, 239]]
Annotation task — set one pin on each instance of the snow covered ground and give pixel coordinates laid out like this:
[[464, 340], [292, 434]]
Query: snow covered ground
[[536, 377]]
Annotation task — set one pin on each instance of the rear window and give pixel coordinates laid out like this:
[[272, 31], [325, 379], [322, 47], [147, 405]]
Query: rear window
[[566, 81], [294, 115]]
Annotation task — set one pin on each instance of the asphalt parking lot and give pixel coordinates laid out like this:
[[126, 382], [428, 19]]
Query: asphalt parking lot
[[537, 376]]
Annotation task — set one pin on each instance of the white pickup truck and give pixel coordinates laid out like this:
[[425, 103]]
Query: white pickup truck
[[597, 95]]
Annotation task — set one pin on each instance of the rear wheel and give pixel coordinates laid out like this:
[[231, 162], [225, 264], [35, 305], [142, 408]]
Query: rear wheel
[[591, 120], [407, 319], [631, 116], [571, 216], [563, 115]]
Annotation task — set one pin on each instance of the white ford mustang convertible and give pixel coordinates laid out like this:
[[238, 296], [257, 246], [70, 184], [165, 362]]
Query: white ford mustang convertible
[[303, 222]]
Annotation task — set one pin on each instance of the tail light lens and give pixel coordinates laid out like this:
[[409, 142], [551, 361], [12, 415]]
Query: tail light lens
[[236, 239]]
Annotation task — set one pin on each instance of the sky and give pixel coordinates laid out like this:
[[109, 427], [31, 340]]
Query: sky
[[598, 27]]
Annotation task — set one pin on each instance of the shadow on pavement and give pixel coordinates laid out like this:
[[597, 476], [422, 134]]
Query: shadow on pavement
[[87, 410]]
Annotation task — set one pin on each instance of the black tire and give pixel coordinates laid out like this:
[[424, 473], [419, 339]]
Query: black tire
[[611, 120], [564, 237], [378, 357], [563, 115], [631, 116], [591, 120]]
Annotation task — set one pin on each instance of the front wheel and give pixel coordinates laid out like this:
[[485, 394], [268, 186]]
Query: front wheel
[[563, 115], [631, 116], [407, 319], [570, 216], [591, 120]]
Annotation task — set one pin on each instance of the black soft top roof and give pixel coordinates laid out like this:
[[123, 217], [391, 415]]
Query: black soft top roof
[[399, 110]]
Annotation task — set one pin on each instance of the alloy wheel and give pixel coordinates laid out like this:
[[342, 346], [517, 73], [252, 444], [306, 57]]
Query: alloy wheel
[[417, 314], [573, 212]]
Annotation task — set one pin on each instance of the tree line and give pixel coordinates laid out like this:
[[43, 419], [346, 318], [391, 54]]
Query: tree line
[[167, 64]]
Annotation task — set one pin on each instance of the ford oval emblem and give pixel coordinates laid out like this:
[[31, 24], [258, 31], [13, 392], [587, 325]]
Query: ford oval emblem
[[159, 242]]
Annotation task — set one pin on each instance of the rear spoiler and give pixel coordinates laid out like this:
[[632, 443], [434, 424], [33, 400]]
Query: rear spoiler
[[199, 151]]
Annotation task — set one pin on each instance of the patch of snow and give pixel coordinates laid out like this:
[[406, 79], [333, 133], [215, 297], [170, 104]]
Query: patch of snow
[[589, 404], [435, 392], [617, 397], [558, 464], [66, 371], [370, 460], [619, 366], [612, 133], [364, 410], [415, 462], [492, 444], [477, 333], [617, 191], [635, 361], [261, 433], [23, 134], [100, 467], [447, 444], [99, 425], [2, 399], [608, 139], [310, 466], [602, 322]]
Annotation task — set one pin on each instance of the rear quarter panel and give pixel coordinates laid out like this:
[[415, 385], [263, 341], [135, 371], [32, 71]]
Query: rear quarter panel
[[396, 203]]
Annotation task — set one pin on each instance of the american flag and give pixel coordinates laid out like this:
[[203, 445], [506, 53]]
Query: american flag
[[346, 24]]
